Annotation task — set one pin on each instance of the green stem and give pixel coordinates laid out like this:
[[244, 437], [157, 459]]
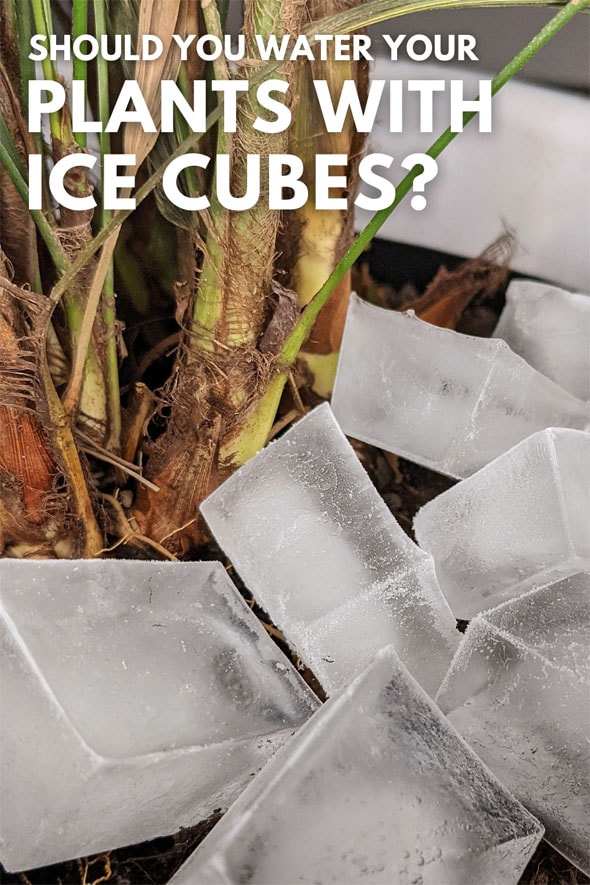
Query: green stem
[[208, 304], [54, 247], [83, 375], [375, 11], [251, 234], [80, 66], [102, 71], [113, 391], [223, 7], [43, 24], [112, 365], [7, 141], [24, 30]]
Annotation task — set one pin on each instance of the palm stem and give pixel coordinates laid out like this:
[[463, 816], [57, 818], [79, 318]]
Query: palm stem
[[80, 66], [43, 24], [109, 311]]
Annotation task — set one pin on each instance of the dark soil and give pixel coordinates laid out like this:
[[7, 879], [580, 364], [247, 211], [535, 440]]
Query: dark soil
[[155, 862], [393, 271], [150, 863]]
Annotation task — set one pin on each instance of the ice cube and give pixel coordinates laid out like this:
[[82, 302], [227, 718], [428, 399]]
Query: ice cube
[[137, 697], [519, 692], [445, 400], [376, 787], [519, 522], [550, 329], [321, 553]]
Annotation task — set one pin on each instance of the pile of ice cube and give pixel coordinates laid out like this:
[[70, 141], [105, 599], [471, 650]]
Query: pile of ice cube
[[448, 401], [139, 697]]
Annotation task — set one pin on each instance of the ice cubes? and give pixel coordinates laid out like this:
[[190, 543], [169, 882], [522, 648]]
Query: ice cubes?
[[316, 545], [550, 329], [445, 400], [376, 788], [137, 697], [519, 692], [519, 522]]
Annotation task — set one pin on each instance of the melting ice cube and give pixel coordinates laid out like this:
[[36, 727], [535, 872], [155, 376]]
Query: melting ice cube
[[550, 329], [520, 521], [519, 692], [442, 399], [137, 697], [376, 788], [321, 553]]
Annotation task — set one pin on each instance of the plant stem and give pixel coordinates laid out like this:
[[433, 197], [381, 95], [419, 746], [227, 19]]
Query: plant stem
[[83, 331], [54, 247], [24, 30], [43, 24], [80, 67], [318, 238], [375, 11], [109, 310], [73, 468], [208, 304]]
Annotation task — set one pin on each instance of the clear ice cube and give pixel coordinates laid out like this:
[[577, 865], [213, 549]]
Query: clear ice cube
[[137, 697], [316, 545], [376, 788], [518, 522], [445, 400], [519, 692], [550, 329]]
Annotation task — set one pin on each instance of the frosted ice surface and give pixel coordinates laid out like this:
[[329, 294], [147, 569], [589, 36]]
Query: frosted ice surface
[[445, 400], [376, 788], [550, 329], [519, 692], [137, 697], [316, 545], [521, 521]]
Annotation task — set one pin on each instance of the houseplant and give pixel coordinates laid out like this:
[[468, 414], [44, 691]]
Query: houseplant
[[233, 326]]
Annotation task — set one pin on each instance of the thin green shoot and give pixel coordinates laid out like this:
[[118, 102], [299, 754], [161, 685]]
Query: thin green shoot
[[105, 215], [24, 30], [102, 85], [208, 304], [80, 66], [10, 147], [223, 8], [44, 25]]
